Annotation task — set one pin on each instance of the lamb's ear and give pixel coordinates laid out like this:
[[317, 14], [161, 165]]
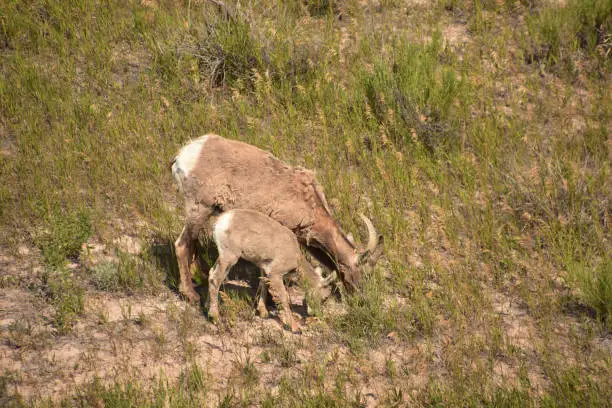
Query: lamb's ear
[[350, 238], [333, 277]]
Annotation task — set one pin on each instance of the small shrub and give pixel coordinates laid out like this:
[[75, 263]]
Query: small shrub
[[104, 276], [166, 62], [572, 387], [9, 395], [128, 273], [64, 236], [163, 257], [19, 333], [415, 98], [231, 53], [61, 290], [306, 391], [555, 34], [247, 370], [595, 288], [117, 395], [471, 395], [228, 53]]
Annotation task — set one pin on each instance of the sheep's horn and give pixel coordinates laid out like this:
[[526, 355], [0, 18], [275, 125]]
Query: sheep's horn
[[372, 235], [373, 240]]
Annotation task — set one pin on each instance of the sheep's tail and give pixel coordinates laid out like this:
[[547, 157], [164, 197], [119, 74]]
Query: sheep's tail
[[178, 174]]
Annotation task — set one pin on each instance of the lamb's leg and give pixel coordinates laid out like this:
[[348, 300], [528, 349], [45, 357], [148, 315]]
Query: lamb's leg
[[281, 298], [262, 295], [185, 249], [216, 277], [213, 293]]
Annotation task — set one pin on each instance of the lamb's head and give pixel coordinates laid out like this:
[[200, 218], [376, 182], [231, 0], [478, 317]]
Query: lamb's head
[[360, 262], [319, 288]]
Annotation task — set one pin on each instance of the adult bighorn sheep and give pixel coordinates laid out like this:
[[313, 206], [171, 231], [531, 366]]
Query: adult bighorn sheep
[[273, 248], [218, 174]]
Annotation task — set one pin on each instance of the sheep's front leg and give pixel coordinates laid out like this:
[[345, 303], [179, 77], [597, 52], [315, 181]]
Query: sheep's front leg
[[281, 298], [216, 277]]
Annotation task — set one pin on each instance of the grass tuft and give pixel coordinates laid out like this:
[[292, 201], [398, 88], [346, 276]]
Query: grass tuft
[[556, 34], [595, 288], [61, 289], [64, 236]]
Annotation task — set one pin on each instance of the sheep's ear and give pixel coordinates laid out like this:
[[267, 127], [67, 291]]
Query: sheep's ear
[[350, 238]]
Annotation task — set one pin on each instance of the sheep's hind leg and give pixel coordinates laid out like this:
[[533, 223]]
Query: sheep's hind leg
[[185, 246], [185, 250], [262, 294]]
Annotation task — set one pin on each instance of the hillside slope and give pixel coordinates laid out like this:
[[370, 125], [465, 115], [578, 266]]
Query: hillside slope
[[474, 133]]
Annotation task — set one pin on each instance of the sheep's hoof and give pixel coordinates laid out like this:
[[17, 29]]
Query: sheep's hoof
[[191, 295], [293, 327], [262, 311], [296, 328], [291, 324]]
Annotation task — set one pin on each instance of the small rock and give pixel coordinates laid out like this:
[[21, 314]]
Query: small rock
[[23, 250], [415, 260], [129, 244], [370, 400]]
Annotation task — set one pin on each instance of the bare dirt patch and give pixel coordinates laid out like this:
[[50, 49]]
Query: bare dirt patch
[[456, 34], [123, 337]]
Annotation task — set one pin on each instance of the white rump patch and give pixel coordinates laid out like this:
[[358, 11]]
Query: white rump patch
[[221, 227], [186, 160]]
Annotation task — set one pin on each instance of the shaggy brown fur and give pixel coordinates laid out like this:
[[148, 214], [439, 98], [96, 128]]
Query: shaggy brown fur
[[230, 174]]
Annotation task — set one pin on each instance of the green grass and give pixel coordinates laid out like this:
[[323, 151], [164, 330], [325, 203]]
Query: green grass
[[485, 165], [556, 34], [189, 391], [64, 291], [141, 272], [595, 285], [64, 237]]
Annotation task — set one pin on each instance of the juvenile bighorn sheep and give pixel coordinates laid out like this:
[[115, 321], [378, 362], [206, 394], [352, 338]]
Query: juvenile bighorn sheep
[[219, 174], [254, 237]]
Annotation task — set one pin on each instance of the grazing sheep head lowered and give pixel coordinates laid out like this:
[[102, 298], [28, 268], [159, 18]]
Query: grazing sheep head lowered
[[216, 174]]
